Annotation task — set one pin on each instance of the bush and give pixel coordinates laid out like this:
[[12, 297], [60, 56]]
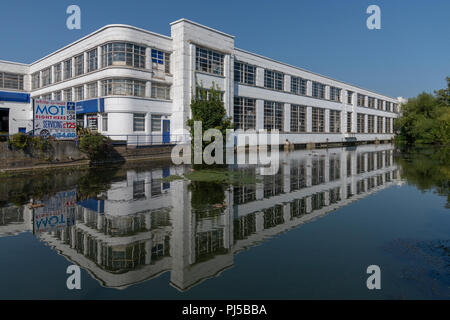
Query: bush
[[24, 142], [96, 146]]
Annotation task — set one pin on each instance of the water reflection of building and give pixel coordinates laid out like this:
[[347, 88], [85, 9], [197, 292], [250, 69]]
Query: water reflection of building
[[142, 227]]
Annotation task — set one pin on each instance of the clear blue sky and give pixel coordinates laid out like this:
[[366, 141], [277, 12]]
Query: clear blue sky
[[410, 54]]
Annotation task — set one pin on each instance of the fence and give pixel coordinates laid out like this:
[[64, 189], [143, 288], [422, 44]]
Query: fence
[[142, 140]]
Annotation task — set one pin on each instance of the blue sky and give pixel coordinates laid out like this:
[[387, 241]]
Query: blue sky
[[410, 54]]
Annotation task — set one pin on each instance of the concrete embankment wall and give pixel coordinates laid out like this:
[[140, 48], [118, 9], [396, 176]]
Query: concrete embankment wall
[[66, 153]]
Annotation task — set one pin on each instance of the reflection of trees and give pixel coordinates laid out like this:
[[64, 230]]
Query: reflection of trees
[[95, 181], [207, 198], [428, 169]]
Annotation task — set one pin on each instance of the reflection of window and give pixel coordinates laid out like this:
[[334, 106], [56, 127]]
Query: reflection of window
[[156, 188], [298, 208], [138, 189], [273, 216], [335, 169], [317, 171], [318, 201]]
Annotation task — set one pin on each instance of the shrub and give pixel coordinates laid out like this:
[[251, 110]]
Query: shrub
[[96, 146]]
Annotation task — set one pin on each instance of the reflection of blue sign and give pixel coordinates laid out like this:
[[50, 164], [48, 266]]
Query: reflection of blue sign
[[91, 106]]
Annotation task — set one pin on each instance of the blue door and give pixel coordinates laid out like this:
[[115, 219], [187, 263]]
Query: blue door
[[166, 131]]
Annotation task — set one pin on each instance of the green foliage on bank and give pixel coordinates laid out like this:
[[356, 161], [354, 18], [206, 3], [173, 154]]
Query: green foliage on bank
[[97, 146], [27, 143], [426, 119]]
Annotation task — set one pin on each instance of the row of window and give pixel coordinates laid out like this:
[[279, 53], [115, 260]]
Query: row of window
[[112, 54], [111, 87], [361, 124], [11, 81], [245, 118], [245, 73], [364, 101]]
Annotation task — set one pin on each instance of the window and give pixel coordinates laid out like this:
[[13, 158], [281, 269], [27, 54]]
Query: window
[[79, 93], [57, 76], [361, 100], [360, 123], [160, 91], [273, 80], [350, 97], [105, 122], [298, 85], [139, 122], [209, 61], [371, 102], [335, 94], [244, 113], [67, 69], [335, 121], [68, 95], [387, 128], [161, 60], [318, 120], [123, 87], [79, 65], [58, 96], [156, 123], [11, 81], [318, 90], [349, 122], [123, 54], [380, 104], [46, 77], [298, 118], [92, 90], [47, 96], [371, 123], [380, 124], [388, 106], [395, 108], [273, 115], [92, 60], [35, 80], [244, 73]]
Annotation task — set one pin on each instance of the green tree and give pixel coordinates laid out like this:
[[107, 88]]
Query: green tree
[[207, 106], [426, 119]]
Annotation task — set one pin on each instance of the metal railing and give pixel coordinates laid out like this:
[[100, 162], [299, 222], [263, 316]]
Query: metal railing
[[145, 140]]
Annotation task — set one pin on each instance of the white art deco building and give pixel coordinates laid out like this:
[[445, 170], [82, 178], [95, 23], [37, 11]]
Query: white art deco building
[[131, 82]]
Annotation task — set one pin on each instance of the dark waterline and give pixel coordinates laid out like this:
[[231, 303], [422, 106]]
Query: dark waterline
[[308, 232]]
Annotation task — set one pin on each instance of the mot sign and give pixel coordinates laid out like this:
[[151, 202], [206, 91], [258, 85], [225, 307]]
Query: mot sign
[[56, 119]]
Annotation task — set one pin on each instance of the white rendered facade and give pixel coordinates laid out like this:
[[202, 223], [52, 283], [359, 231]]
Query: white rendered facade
[[141, 79]]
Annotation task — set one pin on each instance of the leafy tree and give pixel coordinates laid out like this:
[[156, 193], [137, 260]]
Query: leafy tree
[[426, 119], [207, 106]]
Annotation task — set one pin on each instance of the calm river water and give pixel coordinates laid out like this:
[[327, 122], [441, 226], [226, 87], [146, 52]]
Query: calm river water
[[308, 232]]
